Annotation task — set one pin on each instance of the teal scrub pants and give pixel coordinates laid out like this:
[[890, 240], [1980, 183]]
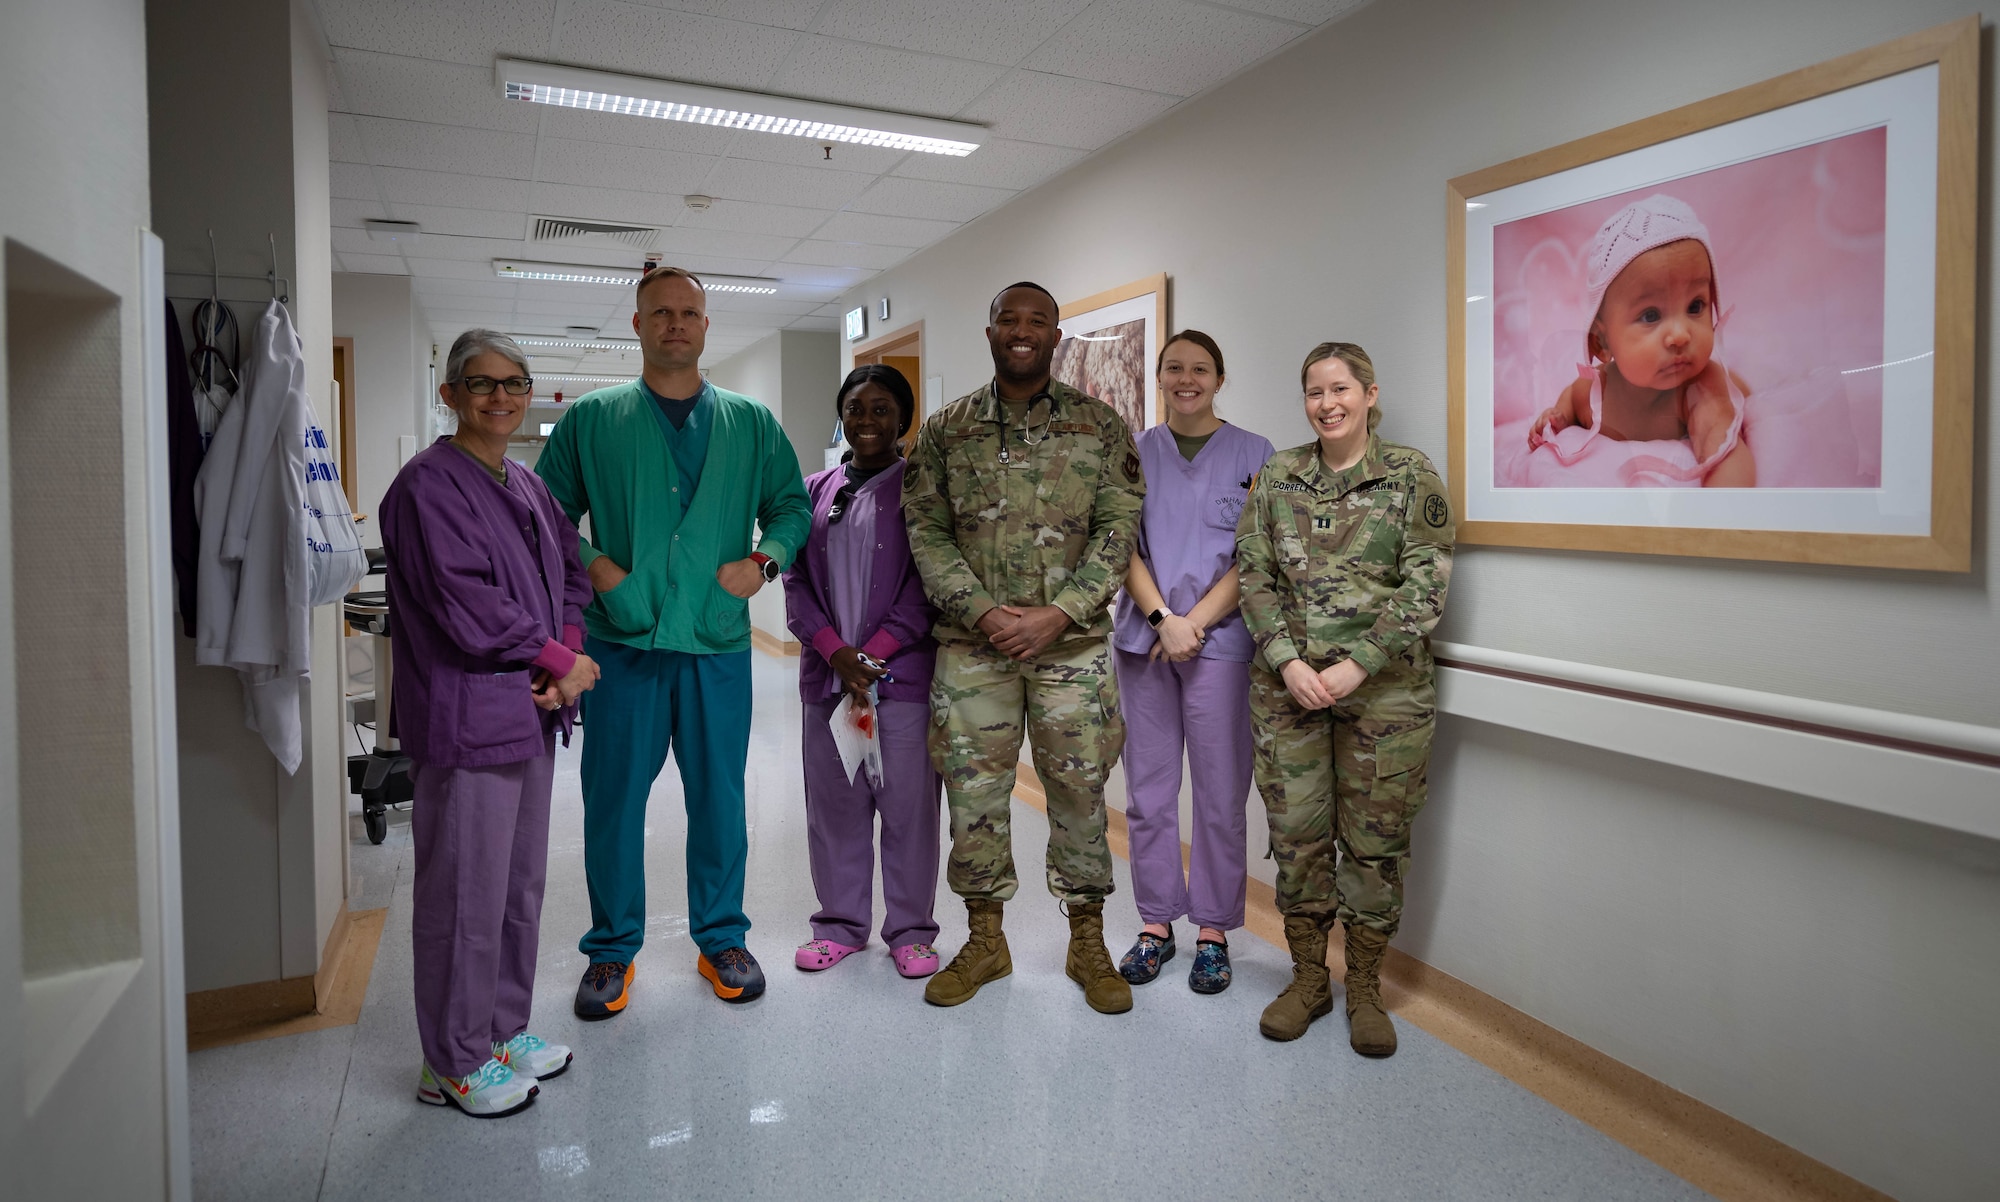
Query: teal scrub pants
[[644, 703]]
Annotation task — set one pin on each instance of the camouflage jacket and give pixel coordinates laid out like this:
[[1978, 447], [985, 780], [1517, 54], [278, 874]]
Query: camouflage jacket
[[998, 519], [1345, 565]]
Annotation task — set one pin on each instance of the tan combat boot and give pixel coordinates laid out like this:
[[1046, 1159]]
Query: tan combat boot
[[1089, 963], [1368, 1027], [1310, 995], [983, 958]]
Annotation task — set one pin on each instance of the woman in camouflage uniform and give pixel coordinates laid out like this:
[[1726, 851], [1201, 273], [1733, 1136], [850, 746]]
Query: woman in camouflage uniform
[[1345, 552]]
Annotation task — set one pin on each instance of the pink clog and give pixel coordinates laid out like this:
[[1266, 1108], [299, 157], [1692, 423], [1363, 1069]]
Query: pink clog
[[916, 959], [818, 954]]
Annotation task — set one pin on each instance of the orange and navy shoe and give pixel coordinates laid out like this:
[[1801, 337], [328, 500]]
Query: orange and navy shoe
[[604, 990], [734, 973]]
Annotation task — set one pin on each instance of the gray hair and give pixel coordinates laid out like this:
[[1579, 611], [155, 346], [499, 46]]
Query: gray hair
[[474, 343]]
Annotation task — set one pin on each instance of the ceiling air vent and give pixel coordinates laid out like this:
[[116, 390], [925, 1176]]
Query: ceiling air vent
[[573, 232]]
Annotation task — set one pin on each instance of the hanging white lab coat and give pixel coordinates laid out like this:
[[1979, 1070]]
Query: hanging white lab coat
[[253, 608]]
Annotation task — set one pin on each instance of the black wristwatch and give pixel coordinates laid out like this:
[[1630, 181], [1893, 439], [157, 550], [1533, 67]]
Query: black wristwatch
[[767, 565], [1158, 616]]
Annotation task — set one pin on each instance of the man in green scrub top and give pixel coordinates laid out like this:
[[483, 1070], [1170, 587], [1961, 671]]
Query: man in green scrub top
[[672, 472]]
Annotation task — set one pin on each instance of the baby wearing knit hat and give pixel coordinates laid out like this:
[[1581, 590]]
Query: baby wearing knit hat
[[1652, 340]]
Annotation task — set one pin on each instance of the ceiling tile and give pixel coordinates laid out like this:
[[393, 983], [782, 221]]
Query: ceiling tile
[[465, 31], [343, 142], [493, 289], [374, 264], [669, 44], [779, 183], [823, 324], [603, 164], [787, 14], [452, 148], [1160, 45], [605, 204], [767, 305], [1308, 12], [823, 277], [805, 152], [729, 243], [348, 241], [883, 231], [645, 133], [846, 254], [470, 223], [975, 29], [758, 218], [998, 164], [1032, 107], [898, 197], [416, 89], [459, 269], [473, 250], [878, 77], [547, 308], [451, 191], [589, 296], [352, 211], [352, 181], [833, 310]]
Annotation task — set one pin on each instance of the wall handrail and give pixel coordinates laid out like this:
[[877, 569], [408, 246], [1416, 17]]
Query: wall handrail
[[1915, 732]]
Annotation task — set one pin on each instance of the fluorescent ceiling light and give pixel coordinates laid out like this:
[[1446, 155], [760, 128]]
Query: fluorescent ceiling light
[[540, 379], [604, 91], [576, 344], [584, 273]]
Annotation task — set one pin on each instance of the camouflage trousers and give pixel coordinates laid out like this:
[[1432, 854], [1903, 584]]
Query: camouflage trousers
[[1066, 700], [1341, 787]]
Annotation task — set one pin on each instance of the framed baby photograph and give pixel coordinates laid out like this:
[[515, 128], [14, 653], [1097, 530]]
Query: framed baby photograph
[[1109, 343], [1741, 329]]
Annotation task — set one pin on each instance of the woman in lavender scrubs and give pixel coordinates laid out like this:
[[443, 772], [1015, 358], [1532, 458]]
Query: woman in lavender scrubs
[[486, 597], [854, 599], [1184, 669]]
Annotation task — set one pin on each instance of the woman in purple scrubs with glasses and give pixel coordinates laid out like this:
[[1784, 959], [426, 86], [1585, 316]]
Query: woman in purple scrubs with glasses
[[1184, 670], [486, 597], [854, 599]]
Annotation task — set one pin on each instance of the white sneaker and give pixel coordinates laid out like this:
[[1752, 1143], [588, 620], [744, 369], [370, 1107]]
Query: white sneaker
[[531, 1056], [490, 1092]]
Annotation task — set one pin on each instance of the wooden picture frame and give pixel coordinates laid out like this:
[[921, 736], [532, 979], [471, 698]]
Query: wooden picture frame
[[1127, 377], [1932, 528]]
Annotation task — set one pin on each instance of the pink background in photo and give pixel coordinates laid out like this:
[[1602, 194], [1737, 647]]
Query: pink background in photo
[[1797, 239]]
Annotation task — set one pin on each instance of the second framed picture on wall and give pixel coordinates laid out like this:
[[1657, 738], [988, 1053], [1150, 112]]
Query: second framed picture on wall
[[1108, 346], [1742, 329]]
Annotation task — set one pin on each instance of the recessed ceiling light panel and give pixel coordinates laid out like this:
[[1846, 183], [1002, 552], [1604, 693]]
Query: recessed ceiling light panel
[[585, 273], [604, 91]]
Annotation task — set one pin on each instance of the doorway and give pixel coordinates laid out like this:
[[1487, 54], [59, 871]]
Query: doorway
[[343, 375], [903, 350]]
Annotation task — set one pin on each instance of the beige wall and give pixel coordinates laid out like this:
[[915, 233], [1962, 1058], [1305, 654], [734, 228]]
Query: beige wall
[[1819, 973], [392, 354]]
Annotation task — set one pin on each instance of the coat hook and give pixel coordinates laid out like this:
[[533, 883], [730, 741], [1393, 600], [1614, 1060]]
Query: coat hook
[[214, 268]]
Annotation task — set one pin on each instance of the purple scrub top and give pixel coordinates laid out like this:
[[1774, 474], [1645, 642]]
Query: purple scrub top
[[485, 585], [895, 626], [1187, 531]]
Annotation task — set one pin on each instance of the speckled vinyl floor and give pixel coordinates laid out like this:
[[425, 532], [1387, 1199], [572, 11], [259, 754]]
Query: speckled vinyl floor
[[846, 1085]]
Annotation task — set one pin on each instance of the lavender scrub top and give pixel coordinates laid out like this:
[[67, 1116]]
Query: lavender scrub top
[[1187, 531]]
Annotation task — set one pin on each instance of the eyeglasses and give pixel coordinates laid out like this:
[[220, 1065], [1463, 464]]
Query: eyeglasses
[[484, 385]]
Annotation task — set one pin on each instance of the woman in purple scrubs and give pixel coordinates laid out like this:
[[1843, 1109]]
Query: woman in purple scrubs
[[1184, 670], [486, 597], [854, 599]]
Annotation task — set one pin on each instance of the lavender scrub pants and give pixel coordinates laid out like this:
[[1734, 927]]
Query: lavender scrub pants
[[840, 828], [482, 844], [1201, 706]]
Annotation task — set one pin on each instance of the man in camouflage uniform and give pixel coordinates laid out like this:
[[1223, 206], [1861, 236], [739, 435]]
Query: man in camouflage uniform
[[1021, 501], [1352, 567]]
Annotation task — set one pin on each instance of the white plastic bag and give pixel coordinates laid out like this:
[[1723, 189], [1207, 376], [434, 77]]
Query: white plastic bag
[[334, 546], [856, 736]]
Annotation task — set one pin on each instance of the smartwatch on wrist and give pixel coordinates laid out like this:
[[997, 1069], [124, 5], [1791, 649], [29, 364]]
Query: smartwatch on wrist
[[1158, 616], [766, 565]]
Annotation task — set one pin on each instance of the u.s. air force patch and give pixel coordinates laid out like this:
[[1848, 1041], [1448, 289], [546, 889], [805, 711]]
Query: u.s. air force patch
[[1436, 512], [1132, 466]]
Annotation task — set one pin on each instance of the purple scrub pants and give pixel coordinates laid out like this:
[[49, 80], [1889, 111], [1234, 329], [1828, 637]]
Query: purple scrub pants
[[840, 828], [482, 842], [1204, 706]]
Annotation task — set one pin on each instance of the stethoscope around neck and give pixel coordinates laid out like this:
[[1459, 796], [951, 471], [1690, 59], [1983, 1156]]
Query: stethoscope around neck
[[1044, 395]]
